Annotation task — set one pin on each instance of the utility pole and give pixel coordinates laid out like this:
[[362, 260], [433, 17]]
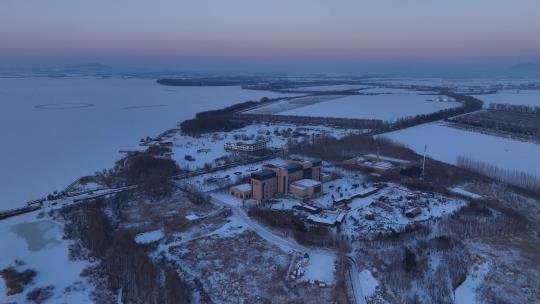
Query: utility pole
[[424, 162]]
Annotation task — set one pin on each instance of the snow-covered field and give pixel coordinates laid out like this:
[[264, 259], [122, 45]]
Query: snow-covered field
[[338, 87], [446, 144], [386, 107], [55, 130], [515, 97], [38, 243], [286, 105]]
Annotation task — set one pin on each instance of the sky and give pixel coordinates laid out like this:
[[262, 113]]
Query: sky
[[277, 35]]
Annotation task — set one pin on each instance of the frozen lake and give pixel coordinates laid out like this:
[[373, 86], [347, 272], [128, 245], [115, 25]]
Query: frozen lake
[[55, 130]]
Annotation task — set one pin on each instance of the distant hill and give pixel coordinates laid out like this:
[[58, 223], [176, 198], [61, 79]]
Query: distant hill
[[524, 69]]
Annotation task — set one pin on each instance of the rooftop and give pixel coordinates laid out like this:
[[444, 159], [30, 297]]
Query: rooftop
[[307, 182], [293, 167], [263, 175], [243, 187]]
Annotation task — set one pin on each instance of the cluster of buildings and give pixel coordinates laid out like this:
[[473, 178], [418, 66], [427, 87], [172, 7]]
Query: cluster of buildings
[[379, 164], [249, 146], [300, 178]]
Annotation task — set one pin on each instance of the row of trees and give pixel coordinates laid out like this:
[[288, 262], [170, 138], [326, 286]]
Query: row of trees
[[514, 108], [218, 120], [332, 149]]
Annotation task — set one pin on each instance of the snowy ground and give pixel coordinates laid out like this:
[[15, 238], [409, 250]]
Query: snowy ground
[[515, 97], [62, 128], [446, 144], [387, 107], [466, 292], [368, 283], [388, 207], [38, 243], [320, 268]]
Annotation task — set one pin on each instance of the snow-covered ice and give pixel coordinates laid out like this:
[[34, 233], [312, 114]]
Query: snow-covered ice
[[58, 129], [529, 98], [39, 244]]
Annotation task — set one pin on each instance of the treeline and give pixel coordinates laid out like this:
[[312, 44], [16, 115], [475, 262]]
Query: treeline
[[514, 108], [468, 104], [124, 264], [335, 150], [218, 120], [204, 82], [513, 177], [520, 125]]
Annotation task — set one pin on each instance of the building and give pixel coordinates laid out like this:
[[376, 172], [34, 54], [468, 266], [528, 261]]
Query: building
[[305, 188], [285, 175], [310, 169], [252, 146], [413, 212], [327, 219], [263, 184], [363, 192], [299, 177], [242, 191]]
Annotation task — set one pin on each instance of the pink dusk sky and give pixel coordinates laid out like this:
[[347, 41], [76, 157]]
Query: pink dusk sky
[[264, 34]]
